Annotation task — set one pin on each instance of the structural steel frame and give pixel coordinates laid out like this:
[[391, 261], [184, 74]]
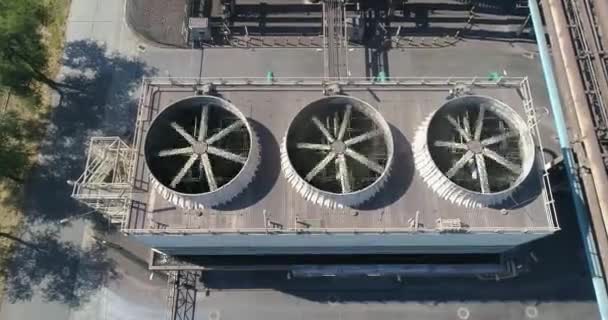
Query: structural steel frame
[[105, 183], [181, 300]]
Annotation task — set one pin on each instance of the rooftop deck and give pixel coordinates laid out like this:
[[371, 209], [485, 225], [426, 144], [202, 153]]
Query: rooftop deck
[[404, 204]]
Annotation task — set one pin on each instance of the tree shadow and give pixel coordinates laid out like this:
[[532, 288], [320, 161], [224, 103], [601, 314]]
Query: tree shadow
[[98, 222], [59, 271], [104, 103]]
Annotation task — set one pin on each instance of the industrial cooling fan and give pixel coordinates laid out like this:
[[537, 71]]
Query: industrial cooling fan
[[201, 151], [474, 151], [337, 151]]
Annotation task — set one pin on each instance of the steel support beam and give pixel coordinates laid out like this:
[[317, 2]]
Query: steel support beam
[[182, 297], [595, 269]]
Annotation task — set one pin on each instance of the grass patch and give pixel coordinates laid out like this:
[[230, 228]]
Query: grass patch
[[55, 33], [32, 111], [10, 215]]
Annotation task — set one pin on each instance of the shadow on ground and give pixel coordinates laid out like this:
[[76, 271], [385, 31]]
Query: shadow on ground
[[59, 271], [103, 104], [100, 101], [559, 274]]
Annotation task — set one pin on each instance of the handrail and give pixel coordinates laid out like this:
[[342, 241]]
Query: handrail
[[320, 231]]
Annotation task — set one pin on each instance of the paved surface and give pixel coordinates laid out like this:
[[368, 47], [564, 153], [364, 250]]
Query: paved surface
[[94, 29], [559, 287], [133, 296], [263, 305]]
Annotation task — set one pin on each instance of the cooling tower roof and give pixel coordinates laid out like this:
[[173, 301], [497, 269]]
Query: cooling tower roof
[[281, 116]]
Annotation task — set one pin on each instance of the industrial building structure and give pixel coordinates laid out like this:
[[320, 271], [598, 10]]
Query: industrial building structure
[[462, 173], [402, 173], [216, 170]]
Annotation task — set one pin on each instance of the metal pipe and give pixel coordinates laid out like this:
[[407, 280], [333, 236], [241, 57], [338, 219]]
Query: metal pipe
[[601, 13], [416, 270], [583, 114], [597, 275], [586, 178], [596, 45]]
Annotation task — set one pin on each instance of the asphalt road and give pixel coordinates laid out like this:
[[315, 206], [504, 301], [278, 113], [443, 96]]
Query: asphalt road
[[557, 289]]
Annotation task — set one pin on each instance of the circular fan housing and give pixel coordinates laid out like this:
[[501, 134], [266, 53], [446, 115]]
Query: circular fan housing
[[474, 151], [201, 151], [337, 151]]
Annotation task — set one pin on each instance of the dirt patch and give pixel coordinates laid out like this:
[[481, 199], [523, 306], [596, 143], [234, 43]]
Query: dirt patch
[[160, 21]]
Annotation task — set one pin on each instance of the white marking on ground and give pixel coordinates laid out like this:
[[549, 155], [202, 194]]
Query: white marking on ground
[[531, 312], [214, 315], [463, 313]]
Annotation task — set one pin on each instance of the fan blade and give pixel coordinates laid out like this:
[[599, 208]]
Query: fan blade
[[450, 144], [180, 175], [320, 166], [323, 129], [343, 172], [458, 128], [173, 152], [345, 121], [459, 164], [466, 123], [363, 137], [499, 138], [224, 132], [183, 132], [313, 146], [482, 172], [479, 123], [226, 155], [513, 167], [374, 166], [208, 172], [202, 131]]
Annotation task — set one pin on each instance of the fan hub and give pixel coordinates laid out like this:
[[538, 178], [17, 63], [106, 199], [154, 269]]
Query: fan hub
[[475, 147], [200, 147], [338, 147]]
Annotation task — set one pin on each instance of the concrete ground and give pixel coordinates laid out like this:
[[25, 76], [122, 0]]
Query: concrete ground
[[557, 288], [134, 295]]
